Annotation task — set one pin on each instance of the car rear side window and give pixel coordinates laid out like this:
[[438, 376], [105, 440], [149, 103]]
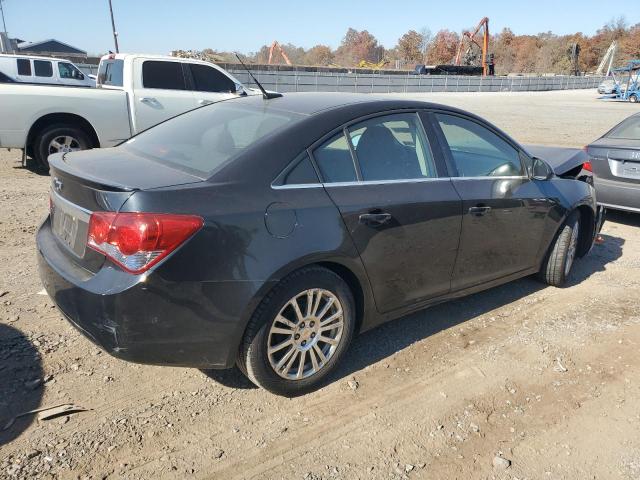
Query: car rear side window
[[392, 147], [163, 75], [110, 73], [24, 67], [302, 173], [477, 151], [42, 68], [208, 79], [203, 140], [334, 160]]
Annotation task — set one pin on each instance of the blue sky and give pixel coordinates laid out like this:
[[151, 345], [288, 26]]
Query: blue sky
[[161, 25]]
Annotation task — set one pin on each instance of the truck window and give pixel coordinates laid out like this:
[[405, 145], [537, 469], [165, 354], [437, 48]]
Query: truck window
[[110, 73], [208, 79], [67, 70], [42, 68], [164, 75], [24, 67]]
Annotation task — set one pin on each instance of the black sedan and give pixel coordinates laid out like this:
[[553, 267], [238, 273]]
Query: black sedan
[[615, 163], [266, 233]]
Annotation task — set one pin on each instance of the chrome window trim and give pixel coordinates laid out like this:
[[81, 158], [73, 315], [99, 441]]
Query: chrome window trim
[[391, 182]]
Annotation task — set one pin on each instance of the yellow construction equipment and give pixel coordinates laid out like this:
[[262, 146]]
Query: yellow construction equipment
[[484, 48], [373, 66]]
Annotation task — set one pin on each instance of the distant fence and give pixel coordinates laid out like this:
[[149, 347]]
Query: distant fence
[[301, 81], [298, 80]]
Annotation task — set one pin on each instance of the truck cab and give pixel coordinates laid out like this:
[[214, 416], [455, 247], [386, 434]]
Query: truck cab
[[160, 87]]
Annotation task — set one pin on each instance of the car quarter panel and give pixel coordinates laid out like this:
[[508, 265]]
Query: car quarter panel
[[237, 258]]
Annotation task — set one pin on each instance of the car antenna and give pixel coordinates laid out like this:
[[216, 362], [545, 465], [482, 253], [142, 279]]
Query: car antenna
[[266, 95]]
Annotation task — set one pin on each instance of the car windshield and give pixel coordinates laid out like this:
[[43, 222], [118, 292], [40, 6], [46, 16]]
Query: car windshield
[[629, 129], [201, 141]]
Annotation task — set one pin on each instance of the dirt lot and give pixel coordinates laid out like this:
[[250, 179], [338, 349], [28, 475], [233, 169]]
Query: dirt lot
[[548, 379]]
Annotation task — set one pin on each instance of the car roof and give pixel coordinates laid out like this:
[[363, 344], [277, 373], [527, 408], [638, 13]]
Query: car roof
[[33, 57], [312, 103]]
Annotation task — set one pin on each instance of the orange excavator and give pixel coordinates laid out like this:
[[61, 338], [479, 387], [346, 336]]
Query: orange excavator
[[275, 45], [484, 48]]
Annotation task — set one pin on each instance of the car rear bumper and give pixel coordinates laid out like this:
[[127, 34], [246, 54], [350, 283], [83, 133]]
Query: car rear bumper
[[144, 319], [618, 195]]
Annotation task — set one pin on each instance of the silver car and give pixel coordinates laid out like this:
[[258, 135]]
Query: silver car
[[615, 162]]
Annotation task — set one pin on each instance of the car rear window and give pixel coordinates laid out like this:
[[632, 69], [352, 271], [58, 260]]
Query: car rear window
[[629, 129], [201, 141]]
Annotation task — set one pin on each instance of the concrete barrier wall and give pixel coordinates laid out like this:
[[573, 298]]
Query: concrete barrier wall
[[300, 81]]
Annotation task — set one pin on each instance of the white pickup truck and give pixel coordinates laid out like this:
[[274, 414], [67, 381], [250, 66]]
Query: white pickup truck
[[134, 92]]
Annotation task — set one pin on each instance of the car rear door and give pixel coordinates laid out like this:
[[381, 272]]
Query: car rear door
[[401, 211], [209, 84], [503, 211], [160, 92]]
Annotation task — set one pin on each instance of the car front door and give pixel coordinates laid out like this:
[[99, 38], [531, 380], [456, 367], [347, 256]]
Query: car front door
[[504, 210], [160, 92], [401, 211]]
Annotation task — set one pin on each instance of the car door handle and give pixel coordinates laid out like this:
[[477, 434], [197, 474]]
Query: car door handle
[[148, 100], [479, 210], [202, 101], [374, 219]]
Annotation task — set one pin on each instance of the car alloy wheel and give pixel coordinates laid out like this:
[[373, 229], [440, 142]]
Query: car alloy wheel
[[64, 144], [305, 334]]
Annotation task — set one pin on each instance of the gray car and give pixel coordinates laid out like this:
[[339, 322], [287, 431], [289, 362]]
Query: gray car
[[615, 162]]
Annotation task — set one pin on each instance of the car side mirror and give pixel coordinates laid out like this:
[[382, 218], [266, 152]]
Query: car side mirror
[[541, 170], [240, 91]]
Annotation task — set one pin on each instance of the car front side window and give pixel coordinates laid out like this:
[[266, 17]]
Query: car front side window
[[208, 79], [476, 151]]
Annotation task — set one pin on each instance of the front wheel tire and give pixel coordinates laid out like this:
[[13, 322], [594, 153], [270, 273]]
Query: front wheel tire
[[299, 333], [558, 264]]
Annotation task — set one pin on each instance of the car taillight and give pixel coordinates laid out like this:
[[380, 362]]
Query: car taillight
[[137, 241], [587, 166]]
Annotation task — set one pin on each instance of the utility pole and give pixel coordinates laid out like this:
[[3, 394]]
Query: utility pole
[[4, 25], [113, 24]]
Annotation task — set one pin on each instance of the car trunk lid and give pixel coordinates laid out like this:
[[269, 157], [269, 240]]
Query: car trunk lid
[[98, 180], [613, 161]]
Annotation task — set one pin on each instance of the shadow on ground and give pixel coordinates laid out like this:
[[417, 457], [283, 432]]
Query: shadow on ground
[[20, 387], [382, 342], [33, 167]]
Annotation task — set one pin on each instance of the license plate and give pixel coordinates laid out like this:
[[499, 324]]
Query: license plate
[[65, 226], [69, 223]]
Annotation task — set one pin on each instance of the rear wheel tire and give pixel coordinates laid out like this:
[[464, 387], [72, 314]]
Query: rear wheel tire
[[633, 98], [299, 333], [59, 138], [559, 261]]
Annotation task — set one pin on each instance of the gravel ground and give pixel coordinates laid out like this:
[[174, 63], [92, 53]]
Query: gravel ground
[[519, 382]]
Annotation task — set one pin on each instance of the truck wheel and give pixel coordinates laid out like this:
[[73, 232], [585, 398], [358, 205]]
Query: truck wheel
[[633, 98], [299, 333], [60, 138], [557, 266]]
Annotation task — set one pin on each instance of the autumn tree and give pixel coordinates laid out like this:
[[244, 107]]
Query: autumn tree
[[318, 55], [357, 46], [443, 48], [409, 48]]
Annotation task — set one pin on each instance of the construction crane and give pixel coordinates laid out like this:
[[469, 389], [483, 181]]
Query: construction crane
[[275, 45], [484, 48], [609, 57]]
